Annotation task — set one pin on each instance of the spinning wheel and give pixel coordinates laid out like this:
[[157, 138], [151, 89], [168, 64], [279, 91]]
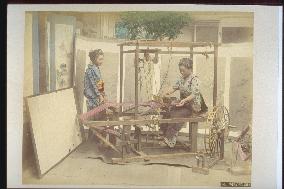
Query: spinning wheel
[[218, 121], [212, 142], [219, 118]]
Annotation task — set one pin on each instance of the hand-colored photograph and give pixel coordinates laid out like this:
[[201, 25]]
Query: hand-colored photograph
[[138, 98]]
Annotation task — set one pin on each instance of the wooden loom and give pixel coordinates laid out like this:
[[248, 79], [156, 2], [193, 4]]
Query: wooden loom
[[135, 144]]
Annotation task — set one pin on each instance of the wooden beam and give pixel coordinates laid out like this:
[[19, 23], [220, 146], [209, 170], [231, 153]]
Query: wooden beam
[[149, 157], [137, 129], [132, 141], [155, 144], [143, 51], [167, 44], [172, 52], [158, 132], [142, 121], [215, 75], [193, 127], [139, 153], [123, 139], [121, 79], [136, 79], [177, 147], [222, 145], [105, 141], [35, 52], [186, 52], [42, 53], [191, 53], [214, 162]]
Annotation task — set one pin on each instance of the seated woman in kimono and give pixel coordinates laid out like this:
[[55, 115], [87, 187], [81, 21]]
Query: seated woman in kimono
[[191, 101]]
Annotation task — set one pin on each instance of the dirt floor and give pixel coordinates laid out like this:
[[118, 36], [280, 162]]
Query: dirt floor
[[83, 167]]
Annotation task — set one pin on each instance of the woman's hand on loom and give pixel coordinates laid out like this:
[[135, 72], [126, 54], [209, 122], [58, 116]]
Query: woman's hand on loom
[[167, 94], [181, 103], [102, 99]]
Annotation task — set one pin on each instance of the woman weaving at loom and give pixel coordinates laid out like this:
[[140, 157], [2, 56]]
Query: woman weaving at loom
[[191, 101]]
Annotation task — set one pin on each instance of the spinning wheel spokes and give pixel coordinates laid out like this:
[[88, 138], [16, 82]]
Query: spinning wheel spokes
[[222, 117], [207, 142], [210, 141], [218, 121]]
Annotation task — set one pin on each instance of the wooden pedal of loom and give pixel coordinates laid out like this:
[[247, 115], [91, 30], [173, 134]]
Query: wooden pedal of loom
[[136, 145]]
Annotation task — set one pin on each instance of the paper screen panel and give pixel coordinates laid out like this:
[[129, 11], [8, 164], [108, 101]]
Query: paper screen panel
[[54, 129]]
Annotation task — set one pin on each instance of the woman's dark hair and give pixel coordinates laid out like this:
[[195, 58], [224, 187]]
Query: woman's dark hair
[[186, 62], [95, 54]]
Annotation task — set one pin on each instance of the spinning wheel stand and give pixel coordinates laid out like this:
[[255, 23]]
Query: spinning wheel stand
[[219, 124]]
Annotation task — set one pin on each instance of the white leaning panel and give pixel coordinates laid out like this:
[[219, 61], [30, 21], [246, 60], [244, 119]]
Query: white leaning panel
[[54, 129]]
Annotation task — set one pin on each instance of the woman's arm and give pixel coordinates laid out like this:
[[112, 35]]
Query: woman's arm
[[185, 100], [174, 89], [195, 91], [170, 92]]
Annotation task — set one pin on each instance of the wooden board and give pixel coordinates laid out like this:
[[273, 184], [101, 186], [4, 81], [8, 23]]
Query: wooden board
[[55, 132]]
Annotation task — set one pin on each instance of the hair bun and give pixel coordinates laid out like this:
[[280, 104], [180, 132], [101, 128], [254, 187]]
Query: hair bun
[[95, 53], [186, 62]]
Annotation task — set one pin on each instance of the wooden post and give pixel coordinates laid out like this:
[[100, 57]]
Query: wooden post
[[127, 130], [191, 52], [42, 53], [121, 79], [138, 130], [215, 75], [136, 79], [35, 52], [222, 145], [123, 139], [120, 96], [139, 138], [193, 126]]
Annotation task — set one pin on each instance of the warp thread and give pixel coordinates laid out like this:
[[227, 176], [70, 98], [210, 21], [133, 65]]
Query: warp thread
[[129, 105]]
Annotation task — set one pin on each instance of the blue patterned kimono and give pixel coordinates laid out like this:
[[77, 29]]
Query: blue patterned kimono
[[91, 92]]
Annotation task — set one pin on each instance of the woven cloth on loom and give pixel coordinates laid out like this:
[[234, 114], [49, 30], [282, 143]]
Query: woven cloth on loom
[[85, 116]]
